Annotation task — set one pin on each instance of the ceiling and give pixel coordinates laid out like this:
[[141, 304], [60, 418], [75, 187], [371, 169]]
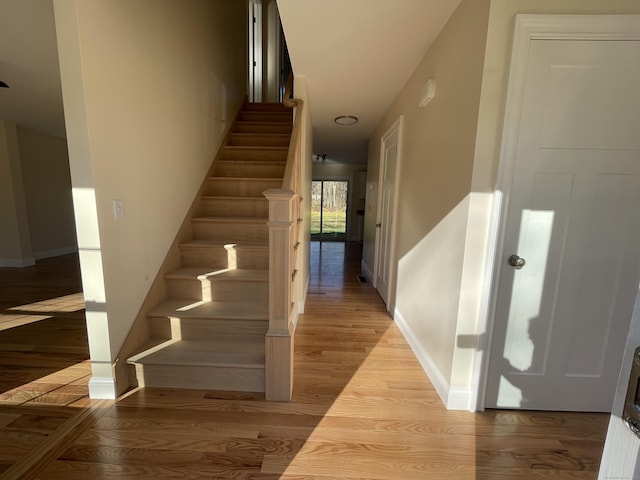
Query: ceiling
[[29, 65], [355, 54]]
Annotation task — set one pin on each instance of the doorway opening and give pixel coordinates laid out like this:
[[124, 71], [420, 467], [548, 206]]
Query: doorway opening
[[329, 201]]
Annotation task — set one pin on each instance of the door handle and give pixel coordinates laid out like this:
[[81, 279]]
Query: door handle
[[378, 225], [516, 262]]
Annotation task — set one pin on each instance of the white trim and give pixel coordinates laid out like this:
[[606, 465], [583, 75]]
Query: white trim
[[366, 271], [396, 126], [255, 45], [56, 252], [340, 178], [17, 262], [452, 398], [102, 388], [459, 399], [480, 369], [305, 292], [529, 27]]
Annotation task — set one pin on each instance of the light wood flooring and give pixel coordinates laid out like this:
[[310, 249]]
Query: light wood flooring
[[362, 407]]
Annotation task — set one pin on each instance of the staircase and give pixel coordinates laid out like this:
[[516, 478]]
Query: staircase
[[210, 331]]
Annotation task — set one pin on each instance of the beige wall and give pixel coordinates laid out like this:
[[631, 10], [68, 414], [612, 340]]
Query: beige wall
[[447, 179], [437, 152], [149, 88], [353, 174], [47, 188], [15, 239]]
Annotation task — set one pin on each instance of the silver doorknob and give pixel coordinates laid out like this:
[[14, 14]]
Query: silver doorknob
[[516, 262]]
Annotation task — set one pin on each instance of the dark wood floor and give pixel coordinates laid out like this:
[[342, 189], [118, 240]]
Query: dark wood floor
[[362, 407]]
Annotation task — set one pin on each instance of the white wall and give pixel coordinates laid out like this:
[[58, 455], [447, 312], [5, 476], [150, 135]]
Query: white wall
[[149, 88], [621, 455]]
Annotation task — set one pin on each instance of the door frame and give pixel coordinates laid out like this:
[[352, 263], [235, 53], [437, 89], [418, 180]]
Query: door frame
[[396, 126], [528, 27], [255, 44], [349, 182]]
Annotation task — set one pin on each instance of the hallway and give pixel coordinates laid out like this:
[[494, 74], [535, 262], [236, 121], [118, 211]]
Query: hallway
[[362, 409]]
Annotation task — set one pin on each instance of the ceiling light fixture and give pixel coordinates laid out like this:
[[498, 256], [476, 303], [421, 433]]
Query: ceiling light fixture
[[3, 85], [346, 120]]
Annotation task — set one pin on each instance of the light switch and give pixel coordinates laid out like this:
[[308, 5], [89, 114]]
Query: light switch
[[118, 209]]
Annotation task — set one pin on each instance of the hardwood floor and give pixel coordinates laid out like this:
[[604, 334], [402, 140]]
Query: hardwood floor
[[362, 409]]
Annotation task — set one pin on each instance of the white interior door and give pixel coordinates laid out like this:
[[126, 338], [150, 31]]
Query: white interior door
[[384, 225], [574, 218]]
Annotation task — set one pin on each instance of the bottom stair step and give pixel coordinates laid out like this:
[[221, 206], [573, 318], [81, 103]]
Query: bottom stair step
[[249, 309], [229, 363]]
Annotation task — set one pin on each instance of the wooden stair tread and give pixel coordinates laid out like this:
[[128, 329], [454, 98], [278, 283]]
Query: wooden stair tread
[[265, 106], [269, 134], [219, 344], [246, 351], [243, 220], [213, 244], [252, 161], [256, 147], [246, 179], [236, 274], [253, 308], [257, 126], [261, 198]]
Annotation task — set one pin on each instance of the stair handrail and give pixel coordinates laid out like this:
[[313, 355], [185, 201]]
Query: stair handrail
[[290, 180], [284, 259]]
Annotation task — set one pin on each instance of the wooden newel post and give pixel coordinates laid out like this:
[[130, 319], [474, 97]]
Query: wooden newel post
[[279, 338]]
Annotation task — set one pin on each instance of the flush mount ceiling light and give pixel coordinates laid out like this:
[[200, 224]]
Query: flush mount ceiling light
[[346, 120], [3, 85]]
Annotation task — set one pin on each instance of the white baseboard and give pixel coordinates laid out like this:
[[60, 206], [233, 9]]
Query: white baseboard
[[102, 388], [17, 262], [366, 271], [452, 398], [459, 399], [55, 253]]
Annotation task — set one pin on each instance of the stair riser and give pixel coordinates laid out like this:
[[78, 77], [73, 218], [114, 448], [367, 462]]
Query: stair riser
[[260, 140], [265, 107], [206, 378], [249, 127], [255, 154], [230, 232], [248, 116], [250, 169], [218, 257], [204, 329], [218, 290], [249, 207], [241, 187]]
